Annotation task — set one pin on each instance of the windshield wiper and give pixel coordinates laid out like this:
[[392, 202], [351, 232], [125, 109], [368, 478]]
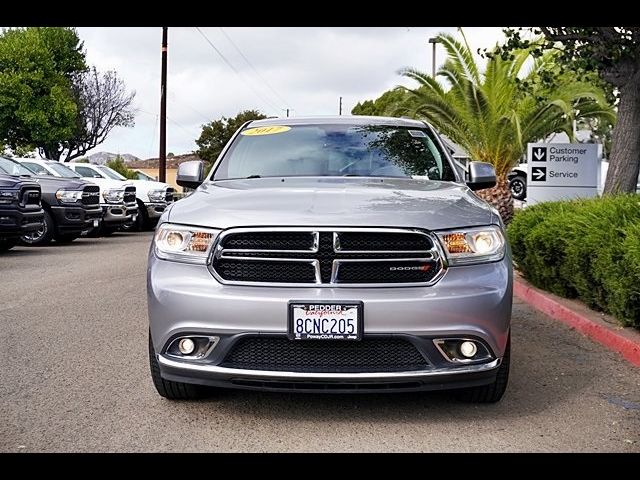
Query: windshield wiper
[[254, 176]]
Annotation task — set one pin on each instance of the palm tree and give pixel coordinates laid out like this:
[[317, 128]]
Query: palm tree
[[491, 115]]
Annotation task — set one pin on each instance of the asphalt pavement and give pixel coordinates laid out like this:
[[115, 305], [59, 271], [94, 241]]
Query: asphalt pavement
[[74, 376]]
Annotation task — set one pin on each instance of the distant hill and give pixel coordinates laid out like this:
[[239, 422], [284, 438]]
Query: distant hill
[[100, 158], [172, 162]]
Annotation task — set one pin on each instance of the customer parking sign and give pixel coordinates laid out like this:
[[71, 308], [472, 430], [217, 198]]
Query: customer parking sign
[[560, 171]]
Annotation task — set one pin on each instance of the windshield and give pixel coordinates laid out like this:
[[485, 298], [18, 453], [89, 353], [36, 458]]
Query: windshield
[[144, 176], [112, 174], [335, 150], [62, 170], [14, 168]]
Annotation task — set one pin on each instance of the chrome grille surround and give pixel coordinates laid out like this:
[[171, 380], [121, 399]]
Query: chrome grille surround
[[433, 255]]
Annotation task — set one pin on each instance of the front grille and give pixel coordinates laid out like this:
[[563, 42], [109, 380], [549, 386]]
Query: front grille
[[270, 241], [91, 195], [30, 196], [326, 257], [130, 195], [261, 271], [365, 241], [326, 356]]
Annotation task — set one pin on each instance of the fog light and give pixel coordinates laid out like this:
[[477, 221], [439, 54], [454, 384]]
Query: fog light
[[468, 349], [186, 346]]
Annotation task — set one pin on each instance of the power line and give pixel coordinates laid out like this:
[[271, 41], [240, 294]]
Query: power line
[[253, 68], [230, 65], [168, 118]]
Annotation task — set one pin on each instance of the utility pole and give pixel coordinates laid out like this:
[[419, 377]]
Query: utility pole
[[162, 158], [340, 110], [433, 41]]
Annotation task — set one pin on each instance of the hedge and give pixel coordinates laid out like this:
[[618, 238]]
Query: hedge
[[587, 249]]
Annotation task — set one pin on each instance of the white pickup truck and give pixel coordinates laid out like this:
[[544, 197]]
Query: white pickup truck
[[117, 198], [152, 197]]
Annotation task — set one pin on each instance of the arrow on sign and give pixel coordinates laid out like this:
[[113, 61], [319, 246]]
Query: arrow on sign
[[539, 174], [539, 154]]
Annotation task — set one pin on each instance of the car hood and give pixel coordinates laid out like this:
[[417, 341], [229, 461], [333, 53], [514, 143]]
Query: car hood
[[51, 183], [13, 182], [106, 184], [149, 185], [330, 201]]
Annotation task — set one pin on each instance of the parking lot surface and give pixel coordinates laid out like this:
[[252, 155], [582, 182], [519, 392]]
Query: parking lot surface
[[74, 377]]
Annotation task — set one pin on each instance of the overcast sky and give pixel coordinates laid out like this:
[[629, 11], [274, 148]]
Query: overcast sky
[[306, 69]]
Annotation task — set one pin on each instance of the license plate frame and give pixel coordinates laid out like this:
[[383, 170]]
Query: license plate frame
[[359, 321]]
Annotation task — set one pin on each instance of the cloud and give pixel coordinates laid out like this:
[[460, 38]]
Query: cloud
[[309, 68]]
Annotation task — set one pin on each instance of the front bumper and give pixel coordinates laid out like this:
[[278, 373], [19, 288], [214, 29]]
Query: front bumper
[[432, 379], [155, 210], [75, 219], [468, 301], [15, 222], [118, 213]]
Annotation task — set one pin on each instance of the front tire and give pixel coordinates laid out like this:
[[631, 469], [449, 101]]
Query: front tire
[[518, 187], [169, 389], [493, 392], [43, 235], [8, 243]]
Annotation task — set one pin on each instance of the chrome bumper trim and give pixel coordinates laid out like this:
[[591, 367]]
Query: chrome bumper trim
[[276, 374]]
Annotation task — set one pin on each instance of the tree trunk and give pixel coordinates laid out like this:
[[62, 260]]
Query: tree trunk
[[624, 163], [500, 197]]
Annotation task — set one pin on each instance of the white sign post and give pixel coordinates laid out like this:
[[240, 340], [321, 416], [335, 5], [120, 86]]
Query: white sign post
[[560, 171]]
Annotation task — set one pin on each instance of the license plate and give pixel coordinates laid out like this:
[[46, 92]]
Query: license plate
[[134, 218], [325, 320], [96, 222]]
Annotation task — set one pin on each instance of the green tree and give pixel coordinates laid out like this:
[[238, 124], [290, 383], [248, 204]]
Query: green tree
[[381, 106], [119, 166], [216, 134], [492, 115], [614, 53], [37, 68]]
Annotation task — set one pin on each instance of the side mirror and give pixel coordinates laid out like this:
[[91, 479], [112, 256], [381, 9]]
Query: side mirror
[[190, 174], [481, 175]]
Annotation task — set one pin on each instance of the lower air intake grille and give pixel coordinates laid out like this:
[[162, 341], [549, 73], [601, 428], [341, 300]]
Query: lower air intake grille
[[328, 356]]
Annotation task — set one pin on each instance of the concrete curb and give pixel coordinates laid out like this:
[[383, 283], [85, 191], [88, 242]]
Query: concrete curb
[[626, 343]]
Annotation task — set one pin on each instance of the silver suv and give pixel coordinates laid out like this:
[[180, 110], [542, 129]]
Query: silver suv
[[332, 254]]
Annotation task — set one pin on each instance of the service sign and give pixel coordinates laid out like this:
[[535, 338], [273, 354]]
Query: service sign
[[561, 171]]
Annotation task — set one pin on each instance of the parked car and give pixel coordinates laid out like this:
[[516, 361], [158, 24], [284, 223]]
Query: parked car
[[70, 205], [20, 209], [331, 254], [152, 197], [518, 181], [118, 198]]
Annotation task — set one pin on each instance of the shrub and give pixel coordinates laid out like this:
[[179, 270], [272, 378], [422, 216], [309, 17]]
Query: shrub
[[589, 249]]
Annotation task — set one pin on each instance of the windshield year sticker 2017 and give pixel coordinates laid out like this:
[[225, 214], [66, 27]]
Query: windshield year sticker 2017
[[265, 130], [417, 133]]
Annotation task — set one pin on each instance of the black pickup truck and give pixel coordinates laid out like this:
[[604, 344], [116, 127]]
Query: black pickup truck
[[70, 206], [20, 209]]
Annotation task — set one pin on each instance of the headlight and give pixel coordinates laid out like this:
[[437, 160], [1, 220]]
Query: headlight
[[157, 195], [184, 244], [69, 196], [8, 196], [473, 245], [113, 196]]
